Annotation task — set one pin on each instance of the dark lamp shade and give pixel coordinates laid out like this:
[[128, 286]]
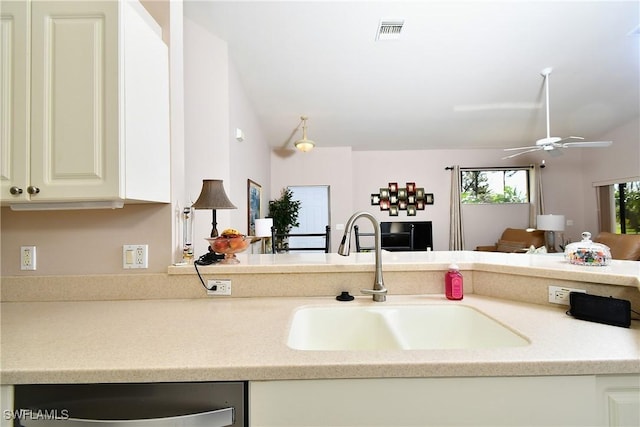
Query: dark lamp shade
[[213, 196]]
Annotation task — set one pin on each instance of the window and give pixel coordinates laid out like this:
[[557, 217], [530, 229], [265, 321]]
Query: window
[[627, 205], [495, 185], [619, 204]]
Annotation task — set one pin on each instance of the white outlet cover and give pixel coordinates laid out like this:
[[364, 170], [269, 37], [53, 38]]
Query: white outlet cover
[[135, 256], [27, 258]]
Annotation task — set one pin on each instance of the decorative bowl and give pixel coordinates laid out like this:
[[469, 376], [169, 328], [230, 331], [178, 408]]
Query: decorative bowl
[[587, 252], [229, 246]]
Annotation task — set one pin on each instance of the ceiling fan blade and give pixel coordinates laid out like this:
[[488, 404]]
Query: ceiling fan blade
[[587, 144], [569, 139], [521, 148], [522, 152]]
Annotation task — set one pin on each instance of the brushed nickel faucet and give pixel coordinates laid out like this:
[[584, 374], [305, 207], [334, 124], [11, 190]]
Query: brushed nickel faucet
[[379, 292]]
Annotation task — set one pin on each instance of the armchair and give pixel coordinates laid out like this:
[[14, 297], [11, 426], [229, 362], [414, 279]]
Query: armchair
[[515, 240], [623, 246]]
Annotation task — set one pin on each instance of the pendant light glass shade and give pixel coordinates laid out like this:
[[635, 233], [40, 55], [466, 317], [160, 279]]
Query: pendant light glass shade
[[304, 144]]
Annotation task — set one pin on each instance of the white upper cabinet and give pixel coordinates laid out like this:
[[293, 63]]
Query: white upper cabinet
[[85, 105]]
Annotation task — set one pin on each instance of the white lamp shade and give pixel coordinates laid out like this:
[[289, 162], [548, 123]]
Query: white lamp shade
[[551, 222], [263, 227]]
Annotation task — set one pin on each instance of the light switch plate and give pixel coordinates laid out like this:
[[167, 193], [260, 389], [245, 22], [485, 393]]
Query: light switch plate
[[135, 256]]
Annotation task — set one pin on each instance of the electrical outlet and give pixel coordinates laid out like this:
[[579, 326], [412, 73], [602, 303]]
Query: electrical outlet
[[135, 256], [27, 258], [219, 287], [560, 295]]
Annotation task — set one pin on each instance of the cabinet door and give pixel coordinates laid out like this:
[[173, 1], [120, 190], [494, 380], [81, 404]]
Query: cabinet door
[[14, 95], [619, 400], [74, 101]]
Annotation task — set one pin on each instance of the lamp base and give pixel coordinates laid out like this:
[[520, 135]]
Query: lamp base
[[550, 241]]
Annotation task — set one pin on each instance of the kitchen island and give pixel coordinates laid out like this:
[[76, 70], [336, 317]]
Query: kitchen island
[[174, 338]]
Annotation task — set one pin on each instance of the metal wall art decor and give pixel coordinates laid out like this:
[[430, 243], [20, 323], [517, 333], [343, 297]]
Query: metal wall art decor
[[409, 198]]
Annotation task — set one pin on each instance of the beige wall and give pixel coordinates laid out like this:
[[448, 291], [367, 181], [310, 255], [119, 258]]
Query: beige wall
[[86, 242]]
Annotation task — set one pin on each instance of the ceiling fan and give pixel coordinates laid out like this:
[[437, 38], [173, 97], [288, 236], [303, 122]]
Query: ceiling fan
[[551, 143]]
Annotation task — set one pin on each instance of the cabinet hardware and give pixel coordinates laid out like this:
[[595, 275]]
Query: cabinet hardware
[[15, 190]]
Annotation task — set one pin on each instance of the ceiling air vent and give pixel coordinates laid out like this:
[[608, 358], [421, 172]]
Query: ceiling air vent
[[389, 29]]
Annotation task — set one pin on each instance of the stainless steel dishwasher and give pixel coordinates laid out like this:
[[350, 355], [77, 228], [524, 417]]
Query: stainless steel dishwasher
[[207, 404]]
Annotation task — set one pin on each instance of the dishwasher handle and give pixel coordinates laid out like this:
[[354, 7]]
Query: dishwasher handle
[[64, 418]]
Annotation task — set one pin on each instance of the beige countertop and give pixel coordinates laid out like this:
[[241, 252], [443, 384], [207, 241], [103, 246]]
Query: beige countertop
[[623, 273], [245, 339]]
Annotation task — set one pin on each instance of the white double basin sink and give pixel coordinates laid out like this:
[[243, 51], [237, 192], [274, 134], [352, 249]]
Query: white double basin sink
[[398, 327]]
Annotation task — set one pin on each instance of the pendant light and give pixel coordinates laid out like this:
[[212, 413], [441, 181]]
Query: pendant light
[[304, 144]]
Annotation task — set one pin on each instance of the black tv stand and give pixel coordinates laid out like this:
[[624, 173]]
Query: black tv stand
[[398, 236]]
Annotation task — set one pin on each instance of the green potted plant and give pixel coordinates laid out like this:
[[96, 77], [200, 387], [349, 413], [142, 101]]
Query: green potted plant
[[284, 212]]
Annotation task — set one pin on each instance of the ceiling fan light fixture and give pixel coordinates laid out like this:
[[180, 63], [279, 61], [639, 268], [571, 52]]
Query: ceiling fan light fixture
[[304, 144]]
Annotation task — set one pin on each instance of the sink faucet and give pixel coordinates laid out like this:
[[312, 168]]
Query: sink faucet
[[379, 292]]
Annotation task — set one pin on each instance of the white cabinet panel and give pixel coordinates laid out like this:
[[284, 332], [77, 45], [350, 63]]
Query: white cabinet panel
[[14, 93], [85, 103], [74, 156], [491, 401], [619, 404]]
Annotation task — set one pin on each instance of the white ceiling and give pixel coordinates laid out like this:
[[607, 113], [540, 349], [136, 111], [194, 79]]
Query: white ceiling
[[462, 75]]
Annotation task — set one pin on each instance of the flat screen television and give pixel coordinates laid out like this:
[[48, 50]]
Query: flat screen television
[[422, 235]]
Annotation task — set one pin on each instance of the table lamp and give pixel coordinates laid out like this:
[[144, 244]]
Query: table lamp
[[263, 230], [550, 224], [212, 196]]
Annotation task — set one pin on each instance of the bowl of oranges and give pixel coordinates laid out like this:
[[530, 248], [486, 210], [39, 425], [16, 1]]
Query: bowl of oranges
[[229, 243]]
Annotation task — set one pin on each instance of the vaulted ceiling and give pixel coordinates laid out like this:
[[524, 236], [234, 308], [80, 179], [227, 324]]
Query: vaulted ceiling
[[461, 74]]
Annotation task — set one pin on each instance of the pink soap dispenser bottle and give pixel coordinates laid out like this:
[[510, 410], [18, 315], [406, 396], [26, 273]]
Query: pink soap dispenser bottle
[[453, 283]]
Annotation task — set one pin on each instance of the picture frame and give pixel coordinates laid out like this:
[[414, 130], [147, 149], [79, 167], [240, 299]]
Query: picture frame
[[411, 210], [428, 199], [393, 210], [375, 199], [254, 199]]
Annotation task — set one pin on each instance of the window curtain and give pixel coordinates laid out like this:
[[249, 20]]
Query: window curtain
[[606, 206], [456, 229], [536, 206]]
